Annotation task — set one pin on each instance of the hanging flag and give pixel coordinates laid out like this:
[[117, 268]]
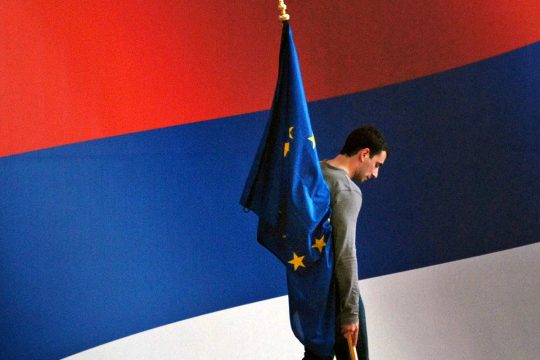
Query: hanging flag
[[286, 189]]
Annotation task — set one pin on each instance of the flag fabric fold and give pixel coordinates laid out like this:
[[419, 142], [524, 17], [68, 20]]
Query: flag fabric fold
[[287, 191]]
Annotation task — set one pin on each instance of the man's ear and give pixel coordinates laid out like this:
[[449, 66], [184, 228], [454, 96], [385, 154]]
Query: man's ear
[[363, 154]]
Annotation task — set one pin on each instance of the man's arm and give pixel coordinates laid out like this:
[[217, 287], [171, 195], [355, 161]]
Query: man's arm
[[345, 213]]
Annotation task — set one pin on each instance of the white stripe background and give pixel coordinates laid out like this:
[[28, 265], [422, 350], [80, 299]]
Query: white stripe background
[[485, 307]]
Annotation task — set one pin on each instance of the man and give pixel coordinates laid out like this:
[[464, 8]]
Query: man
[[363, 154]]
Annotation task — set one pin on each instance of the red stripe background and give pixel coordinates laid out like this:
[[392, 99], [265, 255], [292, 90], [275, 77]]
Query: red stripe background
[[76, 71]]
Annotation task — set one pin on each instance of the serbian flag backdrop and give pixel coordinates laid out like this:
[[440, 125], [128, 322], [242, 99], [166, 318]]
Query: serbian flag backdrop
[[118, 199]]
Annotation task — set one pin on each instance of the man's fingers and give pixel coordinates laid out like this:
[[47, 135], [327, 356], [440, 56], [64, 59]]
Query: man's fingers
[[352, 331], [355, 337]]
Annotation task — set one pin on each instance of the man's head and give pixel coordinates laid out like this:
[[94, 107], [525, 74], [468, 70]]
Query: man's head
[[367, 150]]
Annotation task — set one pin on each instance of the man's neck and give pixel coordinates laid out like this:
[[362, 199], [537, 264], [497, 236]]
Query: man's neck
[[341, 162]]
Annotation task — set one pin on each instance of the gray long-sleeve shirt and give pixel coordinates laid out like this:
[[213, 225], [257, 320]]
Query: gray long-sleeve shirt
[[346, 201]]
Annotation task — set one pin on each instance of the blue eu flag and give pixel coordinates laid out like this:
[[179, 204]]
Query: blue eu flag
[[286, 189]]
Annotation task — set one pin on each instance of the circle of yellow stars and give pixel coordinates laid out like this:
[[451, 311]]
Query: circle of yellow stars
[[298, 261]]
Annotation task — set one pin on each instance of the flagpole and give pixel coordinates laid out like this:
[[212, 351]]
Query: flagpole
[[283, 16], [352, 349]]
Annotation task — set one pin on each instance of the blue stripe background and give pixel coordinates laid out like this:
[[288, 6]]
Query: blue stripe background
[[107, 238]]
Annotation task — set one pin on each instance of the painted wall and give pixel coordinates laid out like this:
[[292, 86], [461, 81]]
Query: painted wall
[[127, 131]]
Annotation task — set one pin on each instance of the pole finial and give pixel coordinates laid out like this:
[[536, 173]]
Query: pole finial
[[283, 16]]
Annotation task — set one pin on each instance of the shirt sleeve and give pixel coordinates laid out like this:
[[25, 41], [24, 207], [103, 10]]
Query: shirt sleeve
[[344, 216]]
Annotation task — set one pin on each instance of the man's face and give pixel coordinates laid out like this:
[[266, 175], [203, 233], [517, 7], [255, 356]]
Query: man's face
[[368, 167]]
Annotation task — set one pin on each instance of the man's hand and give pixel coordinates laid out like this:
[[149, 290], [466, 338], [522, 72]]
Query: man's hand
[[352, 330]]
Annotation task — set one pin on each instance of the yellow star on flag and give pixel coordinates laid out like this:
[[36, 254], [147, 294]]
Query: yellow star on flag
[[312, 139], [286, 149], [297, 261], [319, 244]]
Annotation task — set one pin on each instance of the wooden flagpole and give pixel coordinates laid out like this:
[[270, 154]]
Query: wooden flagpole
[[352, 349]]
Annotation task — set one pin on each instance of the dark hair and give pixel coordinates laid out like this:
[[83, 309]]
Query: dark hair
[[365, 137]]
